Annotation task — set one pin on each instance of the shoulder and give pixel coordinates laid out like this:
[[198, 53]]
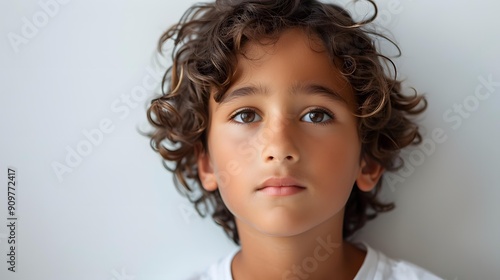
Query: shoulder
[[378, 266], [220, 270]]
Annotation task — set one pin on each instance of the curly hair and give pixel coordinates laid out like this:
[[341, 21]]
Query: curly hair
[[206, 42]]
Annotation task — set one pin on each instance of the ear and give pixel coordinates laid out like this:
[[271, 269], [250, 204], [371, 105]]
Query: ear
[[369, 174], [205, 169]]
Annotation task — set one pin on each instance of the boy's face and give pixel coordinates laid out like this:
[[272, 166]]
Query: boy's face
[[287, 114]]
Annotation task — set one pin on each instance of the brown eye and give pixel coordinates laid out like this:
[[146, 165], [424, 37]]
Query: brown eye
[[245, 116], [317, 116]]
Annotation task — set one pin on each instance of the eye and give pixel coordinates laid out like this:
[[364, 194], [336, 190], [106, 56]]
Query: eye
[[246, 116], [317, 115]]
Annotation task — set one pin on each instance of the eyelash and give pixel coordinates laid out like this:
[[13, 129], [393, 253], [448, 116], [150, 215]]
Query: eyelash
[[312, 110], [324, 111], [244, 110]]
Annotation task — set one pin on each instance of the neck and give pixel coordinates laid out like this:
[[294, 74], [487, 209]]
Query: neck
[[316, 254]]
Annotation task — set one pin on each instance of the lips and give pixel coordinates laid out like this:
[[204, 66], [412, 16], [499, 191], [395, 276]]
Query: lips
[[281, 186]]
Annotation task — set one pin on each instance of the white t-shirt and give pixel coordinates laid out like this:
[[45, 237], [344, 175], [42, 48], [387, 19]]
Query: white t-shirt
[[376, 266]]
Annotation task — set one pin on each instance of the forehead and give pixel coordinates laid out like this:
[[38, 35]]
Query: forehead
[[295, 53], [285, 41]]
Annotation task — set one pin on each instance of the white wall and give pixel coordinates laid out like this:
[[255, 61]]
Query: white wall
[[117, 216]]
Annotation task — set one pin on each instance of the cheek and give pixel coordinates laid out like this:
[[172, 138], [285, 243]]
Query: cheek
[[335, 158], [339, 154], [231, 154], [335, 172]]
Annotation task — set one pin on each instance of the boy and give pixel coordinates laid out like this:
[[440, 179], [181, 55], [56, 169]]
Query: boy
[[282, 112]]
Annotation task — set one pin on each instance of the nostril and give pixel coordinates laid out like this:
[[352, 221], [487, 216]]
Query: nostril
[[290, 157]]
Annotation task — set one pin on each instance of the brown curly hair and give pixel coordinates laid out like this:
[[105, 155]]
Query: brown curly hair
[[206, 42]]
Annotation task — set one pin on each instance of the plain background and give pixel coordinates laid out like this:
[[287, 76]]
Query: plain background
[[117, 216]]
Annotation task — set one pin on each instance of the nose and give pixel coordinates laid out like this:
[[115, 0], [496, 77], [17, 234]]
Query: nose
[[279, 141]]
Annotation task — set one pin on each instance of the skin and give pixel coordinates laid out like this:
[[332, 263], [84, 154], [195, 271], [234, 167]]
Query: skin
[[287, 129]]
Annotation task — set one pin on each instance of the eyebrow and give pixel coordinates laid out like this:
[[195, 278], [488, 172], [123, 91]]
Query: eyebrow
[[317, 89], [242, 92], [295, 89]]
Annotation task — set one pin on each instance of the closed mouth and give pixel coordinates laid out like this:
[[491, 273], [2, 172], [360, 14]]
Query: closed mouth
[[281, 186], [281, 190]]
